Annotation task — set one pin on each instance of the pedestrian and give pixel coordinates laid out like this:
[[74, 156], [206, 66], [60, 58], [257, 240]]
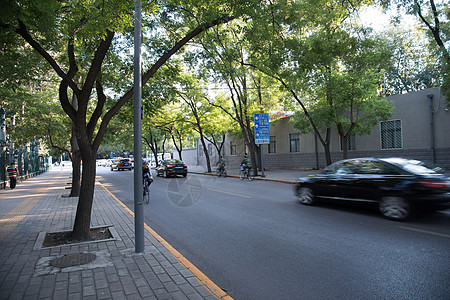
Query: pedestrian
[[12, 174]]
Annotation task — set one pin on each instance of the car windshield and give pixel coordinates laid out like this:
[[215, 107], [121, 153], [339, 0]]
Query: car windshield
[[415, 166], [175, 162], [124, 160]]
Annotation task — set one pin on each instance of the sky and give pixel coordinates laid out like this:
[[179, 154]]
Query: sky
[[375, 18]]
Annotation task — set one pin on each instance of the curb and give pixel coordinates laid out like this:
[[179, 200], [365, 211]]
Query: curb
[[254, 178]]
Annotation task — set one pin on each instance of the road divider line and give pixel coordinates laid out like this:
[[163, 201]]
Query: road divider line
[[219, 191], [425, 231], [207, 283]]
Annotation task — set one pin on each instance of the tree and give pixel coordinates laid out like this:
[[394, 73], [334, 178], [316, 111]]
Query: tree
[[217, 126], [152, 138], [225, 56], [91, 28], [435, 19], [293, 53], [343, 84], [171, 123], [412, 66], [197, 109], [28, 93]]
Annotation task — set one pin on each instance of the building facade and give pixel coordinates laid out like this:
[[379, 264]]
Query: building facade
[[419, 128]]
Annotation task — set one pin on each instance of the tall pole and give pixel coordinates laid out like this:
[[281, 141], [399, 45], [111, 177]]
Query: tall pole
[[137, 91], [433, 151], [261, 148]]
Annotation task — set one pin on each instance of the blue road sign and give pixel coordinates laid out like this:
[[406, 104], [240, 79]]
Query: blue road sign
[[262, 133]]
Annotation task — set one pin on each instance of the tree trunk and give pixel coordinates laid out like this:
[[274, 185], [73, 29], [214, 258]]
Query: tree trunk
[[76, 174], [326, 146], [206, 152], [76, 163], [155, 154], [81, 228], [259, 149], [344, 139]]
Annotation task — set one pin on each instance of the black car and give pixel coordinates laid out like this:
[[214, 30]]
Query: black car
[[171, 167], [124, 164], [397, 186]]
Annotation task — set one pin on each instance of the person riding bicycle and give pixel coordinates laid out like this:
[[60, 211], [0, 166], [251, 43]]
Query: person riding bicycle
[[221, 163], [147, 173], [246, 165]]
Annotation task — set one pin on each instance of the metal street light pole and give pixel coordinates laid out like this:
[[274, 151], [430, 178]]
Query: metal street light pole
[[137, 91]]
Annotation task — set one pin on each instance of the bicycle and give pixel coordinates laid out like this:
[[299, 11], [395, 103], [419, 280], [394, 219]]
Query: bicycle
[[146, 197], [245, 173], [221, 172]]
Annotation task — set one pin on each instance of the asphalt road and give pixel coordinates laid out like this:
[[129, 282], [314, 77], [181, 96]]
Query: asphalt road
[[255, 241]]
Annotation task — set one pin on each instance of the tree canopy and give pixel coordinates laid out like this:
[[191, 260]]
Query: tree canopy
[[330, 71]]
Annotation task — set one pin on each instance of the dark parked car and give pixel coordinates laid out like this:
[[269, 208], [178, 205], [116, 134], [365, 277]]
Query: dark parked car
[[123, 164], [171, 167], [397, 186]]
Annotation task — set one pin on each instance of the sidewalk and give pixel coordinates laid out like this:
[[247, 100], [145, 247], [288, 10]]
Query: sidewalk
[[27, 270]]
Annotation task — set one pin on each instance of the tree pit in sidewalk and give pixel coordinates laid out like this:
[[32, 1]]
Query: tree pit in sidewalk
[[65, 237]]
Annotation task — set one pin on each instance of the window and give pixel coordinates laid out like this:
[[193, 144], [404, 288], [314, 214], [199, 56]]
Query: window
[[273, 144], [200, 150], [391, 134], [232, 148], [351, 142], [210, 149], [294, 142]]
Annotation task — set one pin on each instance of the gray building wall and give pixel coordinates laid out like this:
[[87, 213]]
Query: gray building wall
[[413, 109]]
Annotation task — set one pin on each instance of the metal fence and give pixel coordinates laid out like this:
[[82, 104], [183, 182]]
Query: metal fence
[[27, 160]]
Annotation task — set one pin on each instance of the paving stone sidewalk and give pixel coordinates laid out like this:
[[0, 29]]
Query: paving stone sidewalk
[[26, 271]]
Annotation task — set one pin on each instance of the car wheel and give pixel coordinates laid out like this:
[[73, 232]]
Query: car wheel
[[395, 208], [112, 169], [184, 175], [305, 196]]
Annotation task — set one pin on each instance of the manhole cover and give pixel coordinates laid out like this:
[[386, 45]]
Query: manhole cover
[[71, 260]]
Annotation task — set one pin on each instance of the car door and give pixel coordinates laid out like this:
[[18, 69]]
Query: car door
[[337, 181], [373, 178]]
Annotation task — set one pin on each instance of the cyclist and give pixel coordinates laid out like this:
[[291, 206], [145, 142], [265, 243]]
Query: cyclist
[[146, 174], [222, 163], [246, 165]]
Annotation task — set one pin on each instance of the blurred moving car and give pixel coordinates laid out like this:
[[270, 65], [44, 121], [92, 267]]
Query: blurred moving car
[[171, 167], [397, 186]]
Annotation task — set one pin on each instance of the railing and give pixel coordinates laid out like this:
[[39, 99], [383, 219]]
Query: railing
[[29, 164]]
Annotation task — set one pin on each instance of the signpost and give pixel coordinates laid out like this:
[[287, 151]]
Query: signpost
[[262, 134]]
